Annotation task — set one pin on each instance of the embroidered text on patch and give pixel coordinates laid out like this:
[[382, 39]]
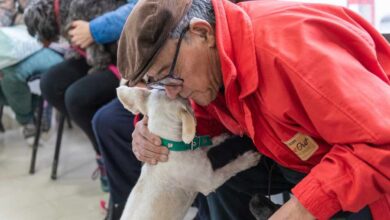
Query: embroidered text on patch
[[302, 145]]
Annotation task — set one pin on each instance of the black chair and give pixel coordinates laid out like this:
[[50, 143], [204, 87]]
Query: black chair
[[60, 130], [58, 145], [41, 104], [2, 130]]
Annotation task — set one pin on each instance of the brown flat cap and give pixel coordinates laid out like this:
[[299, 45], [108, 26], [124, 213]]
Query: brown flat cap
[[145, 32]]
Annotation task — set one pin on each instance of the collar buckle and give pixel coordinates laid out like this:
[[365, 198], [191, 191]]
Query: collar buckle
[[195, 143]]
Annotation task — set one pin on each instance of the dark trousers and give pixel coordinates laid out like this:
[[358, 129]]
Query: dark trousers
[[231, 200], [113, 126], [71, 90]]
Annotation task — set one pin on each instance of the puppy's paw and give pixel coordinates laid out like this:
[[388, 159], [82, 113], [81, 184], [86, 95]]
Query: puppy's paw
[[249, 159], [220, 139]]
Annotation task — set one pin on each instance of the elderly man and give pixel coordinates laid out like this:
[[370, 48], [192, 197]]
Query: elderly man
[[308, 83]]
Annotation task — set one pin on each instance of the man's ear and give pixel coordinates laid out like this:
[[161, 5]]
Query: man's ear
[[203, 29], [133, 99], [188, 125]]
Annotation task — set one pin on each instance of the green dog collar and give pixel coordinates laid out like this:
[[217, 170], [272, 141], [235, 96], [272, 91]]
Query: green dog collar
[[199, 141]]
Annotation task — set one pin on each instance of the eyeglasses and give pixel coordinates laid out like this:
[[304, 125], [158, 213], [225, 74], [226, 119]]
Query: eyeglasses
[[170, 79]]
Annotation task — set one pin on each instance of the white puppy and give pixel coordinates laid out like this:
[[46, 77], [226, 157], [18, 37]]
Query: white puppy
[[166, 191]]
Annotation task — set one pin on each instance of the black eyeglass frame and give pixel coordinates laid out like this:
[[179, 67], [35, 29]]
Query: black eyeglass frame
[[161, 83]]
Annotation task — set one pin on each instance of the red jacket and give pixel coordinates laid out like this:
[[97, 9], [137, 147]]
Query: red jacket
[[310, 85]]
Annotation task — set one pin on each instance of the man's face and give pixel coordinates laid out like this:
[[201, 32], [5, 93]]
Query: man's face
[[196, 73]]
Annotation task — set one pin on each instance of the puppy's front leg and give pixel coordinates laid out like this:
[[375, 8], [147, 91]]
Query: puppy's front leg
[[221, 175]]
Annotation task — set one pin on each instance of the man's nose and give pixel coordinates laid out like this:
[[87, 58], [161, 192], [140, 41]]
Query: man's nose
[[172, 91]]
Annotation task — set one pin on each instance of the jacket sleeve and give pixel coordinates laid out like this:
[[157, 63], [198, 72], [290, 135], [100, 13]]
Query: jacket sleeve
[[108, 27], [341, 87]]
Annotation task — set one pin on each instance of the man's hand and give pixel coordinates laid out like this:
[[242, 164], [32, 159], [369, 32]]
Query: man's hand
[[292, 210], [147, 146], [80, 35]]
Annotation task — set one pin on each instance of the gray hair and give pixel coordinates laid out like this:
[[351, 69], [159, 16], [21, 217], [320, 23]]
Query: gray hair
[[202, 9]]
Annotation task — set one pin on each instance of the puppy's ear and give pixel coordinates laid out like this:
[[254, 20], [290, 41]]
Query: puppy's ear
[[188, 125], [133, 99]]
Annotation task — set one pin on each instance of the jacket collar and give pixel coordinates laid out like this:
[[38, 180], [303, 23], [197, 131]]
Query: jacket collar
[[235, 42]]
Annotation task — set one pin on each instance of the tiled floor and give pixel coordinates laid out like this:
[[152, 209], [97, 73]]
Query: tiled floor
[[73, 196]]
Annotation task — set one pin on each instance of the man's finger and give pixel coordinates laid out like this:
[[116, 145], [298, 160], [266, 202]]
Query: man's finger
[[143, 130], [145, 120], [71, 32], [72, 39], [83, 45], [146, 160], [75, 23], [148, 154], [75, 41], [149, 136], [156, 149], [153, 155], [144, 148]]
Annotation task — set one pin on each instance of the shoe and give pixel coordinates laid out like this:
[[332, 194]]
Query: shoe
[[101, 170], [29, 130]]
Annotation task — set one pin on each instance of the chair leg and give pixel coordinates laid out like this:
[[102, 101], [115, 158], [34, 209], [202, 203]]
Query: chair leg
[[58, 147], [69, 123], [37, 136], [1, 117]]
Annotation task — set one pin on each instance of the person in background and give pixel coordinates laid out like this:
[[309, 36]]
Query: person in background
[[11, 12], [14, 90], [308, 83], [71, 90]]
